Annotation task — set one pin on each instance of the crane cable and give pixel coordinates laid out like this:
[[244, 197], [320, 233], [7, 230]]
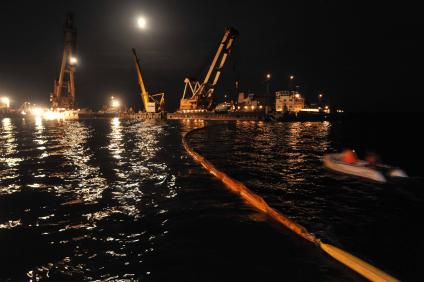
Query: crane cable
[[363, 268]]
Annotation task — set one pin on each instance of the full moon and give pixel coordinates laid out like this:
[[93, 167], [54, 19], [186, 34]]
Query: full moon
[[141, 22]]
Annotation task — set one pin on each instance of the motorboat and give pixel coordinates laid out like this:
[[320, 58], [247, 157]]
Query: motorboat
[[361, 168]]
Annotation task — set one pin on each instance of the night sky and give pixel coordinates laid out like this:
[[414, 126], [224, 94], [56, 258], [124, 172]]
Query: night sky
[[365, 57]]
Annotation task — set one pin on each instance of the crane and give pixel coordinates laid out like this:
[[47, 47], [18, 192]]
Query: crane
[[67, 70], [152, 103], [202, 92]]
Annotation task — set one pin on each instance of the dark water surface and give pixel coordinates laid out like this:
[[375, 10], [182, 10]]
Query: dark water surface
[[121, 200]]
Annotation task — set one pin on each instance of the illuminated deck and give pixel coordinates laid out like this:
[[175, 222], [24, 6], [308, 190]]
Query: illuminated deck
[[218, 116], [143, 116]]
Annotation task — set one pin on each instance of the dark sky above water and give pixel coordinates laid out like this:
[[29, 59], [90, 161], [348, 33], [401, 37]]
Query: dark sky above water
[[364, 56]]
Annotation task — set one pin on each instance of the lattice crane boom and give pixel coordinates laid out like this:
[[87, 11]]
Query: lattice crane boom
[[67, 69], [202, 93], [151, 103]]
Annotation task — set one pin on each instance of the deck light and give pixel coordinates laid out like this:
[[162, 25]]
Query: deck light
[[73, 61]]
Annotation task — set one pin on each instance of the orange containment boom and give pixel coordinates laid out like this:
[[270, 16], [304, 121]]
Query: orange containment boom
[[363, 268]]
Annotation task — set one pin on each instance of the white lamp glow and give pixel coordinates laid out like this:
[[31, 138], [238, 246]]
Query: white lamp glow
[[141, 22], [5, 101], [73, 61], [115, 103]]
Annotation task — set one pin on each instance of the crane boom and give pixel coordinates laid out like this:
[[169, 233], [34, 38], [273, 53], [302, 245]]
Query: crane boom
[[150, 103], [66, 77], [144, 95], [202, 93], [215, 59]]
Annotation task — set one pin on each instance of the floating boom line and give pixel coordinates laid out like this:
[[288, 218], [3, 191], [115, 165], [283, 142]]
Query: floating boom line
[[358, 265]]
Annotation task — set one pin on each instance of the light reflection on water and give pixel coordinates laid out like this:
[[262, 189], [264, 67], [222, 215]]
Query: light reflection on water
[[89, 174], [85, 183], [106, 200], [9, 157], [282, 162], [115, 146]]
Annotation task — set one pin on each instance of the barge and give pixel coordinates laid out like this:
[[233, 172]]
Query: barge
[[217, 116]]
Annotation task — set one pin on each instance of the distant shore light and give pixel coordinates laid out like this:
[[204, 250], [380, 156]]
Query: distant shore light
[[115, 103], [38, 112], [5, 101]]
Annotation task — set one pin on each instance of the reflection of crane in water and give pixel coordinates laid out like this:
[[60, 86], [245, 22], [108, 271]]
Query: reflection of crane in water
[[152, 103], [67, 70], [202, 93]]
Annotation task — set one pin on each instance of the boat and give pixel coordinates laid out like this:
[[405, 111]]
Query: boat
[[223, 107], [361, 168]]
